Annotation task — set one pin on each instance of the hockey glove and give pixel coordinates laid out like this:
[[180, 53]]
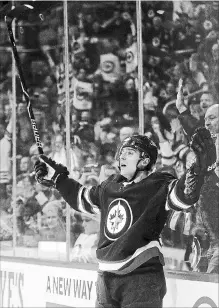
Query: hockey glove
[[41, 171], [203, 146]]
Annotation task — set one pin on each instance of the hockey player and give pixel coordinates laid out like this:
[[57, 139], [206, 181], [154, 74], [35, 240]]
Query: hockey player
[[134, 206]]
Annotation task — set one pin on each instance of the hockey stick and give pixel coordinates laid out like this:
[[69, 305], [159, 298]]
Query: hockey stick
[[15, 13]]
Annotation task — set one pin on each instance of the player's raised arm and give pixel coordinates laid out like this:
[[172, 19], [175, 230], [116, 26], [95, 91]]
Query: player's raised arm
[[186, 191], [79, 197]]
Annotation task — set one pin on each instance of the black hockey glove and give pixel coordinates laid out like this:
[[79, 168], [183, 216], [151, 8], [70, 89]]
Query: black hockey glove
[[41, 171], [204, 147]]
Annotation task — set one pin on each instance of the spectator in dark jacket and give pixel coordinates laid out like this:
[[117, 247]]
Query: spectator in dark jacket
[[188, 121]]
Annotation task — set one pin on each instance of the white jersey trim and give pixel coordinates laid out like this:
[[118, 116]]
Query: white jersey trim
[[177, 202], [167, 207], [80, 201], [88, 199], [84, 198], [116, 265]]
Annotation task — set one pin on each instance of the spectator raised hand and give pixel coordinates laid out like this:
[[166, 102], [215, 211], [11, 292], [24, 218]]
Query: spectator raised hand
[[180, 97]]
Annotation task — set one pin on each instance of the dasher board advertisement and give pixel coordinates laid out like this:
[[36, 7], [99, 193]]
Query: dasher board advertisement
[[37, 285]]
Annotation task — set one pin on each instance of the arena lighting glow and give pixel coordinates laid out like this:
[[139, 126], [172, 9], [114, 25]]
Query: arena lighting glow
[[29, 6], [17, 12]]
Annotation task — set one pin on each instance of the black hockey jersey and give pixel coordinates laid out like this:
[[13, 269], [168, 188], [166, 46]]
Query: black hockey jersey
[[132, 216]]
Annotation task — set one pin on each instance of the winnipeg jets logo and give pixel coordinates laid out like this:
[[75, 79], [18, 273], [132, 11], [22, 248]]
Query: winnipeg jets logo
[[117, 217], [118, 220]]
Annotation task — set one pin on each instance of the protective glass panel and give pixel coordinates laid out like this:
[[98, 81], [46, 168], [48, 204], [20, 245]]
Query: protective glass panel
[[6, 212], [178, 40], [101, 102], [39, 211]]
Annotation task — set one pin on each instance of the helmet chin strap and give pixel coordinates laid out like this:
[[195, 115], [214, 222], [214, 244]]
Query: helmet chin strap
[[134, 176], [136, 171]]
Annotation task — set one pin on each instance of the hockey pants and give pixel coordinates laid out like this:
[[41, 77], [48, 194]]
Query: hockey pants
[[139, 289]]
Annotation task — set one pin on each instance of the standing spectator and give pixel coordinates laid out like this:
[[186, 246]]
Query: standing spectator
[[59, 153], [195, 109], [183, 34], [86, 127], [212, 124], [125, 132], [157, 35], [117, 27], [130, 98], [84, 249], [110, 167], [5, 154], [46, 142], [25, 137], [54, 229], [27, 224], [76, 226], [214, 68], [6, 204], [24, 168], [189, 122], [206, 100], [207, 213]]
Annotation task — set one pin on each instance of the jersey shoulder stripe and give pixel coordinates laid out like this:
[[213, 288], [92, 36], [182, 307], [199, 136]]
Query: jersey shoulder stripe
[[85, 204]]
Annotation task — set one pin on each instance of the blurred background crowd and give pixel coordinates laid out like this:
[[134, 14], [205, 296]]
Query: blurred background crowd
[[180, 39]]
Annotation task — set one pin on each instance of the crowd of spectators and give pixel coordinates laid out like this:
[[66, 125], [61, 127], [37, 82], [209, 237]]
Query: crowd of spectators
[[180, 40]]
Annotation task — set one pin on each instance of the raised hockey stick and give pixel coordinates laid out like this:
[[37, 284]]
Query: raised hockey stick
[[16, 13]]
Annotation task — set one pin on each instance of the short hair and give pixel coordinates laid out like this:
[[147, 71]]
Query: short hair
[[53, 206], [207, 92]]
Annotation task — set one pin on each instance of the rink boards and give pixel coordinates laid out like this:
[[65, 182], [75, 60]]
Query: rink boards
[[32, 283]]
